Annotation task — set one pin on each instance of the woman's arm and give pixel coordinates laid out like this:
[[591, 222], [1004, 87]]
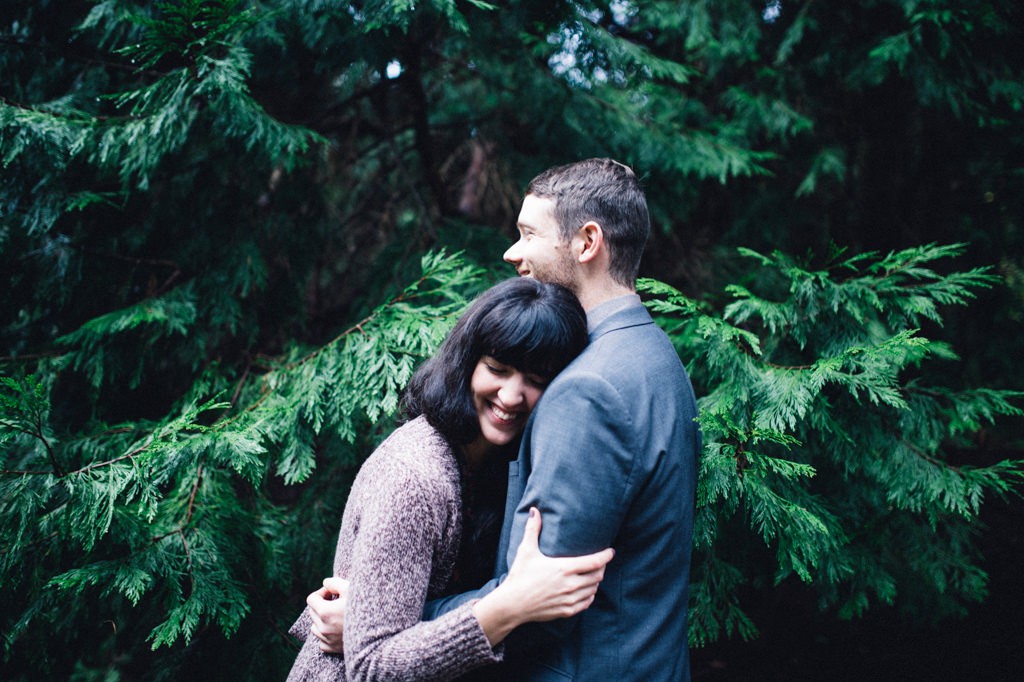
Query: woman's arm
[[539, 588], [402, 528]]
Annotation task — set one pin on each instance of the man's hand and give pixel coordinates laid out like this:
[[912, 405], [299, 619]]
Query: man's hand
[[327, 609]]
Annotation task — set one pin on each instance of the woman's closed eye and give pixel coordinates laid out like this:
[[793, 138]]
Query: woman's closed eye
[[500, 369], [495, 367], [538, 381]]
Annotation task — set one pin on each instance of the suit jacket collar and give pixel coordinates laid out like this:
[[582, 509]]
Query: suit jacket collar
[[618, 313]]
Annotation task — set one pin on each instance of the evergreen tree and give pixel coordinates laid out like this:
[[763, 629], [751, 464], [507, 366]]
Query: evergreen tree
[[827, 444], [221, 223]]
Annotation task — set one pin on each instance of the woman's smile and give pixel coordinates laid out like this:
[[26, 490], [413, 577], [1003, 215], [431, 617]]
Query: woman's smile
[[503, 397]]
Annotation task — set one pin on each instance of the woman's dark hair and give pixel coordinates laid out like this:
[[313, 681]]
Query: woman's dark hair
[[535, 327]]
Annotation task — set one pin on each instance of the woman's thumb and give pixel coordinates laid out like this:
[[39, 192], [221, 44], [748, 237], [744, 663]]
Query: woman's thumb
[[531, 534], [337, 586]]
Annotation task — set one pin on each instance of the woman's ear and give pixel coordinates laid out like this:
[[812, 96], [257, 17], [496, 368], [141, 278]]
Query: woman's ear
[[591, 241]]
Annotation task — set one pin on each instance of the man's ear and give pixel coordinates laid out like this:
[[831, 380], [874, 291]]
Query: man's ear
[[591, 242]]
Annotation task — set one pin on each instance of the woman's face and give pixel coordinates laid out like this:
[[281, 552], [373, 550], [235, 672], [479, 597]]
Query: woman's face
[[503, 397]]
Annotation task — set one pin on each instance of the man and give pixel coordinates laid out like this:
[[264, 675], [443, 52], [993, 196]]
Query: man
[[609, 455]]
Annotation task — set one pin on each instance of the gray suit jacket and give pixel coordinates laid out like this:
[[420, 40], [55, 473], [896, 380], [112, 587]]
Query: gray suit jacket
[[609, 457]]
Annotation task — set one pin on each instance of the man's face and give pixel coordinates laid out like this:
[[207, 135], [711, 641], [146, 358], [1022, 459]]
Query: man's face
[[540, 252]]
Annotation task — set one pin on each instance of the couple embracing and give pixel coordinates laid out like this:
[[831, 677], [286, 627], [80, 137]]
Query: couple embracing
[[488, 539]]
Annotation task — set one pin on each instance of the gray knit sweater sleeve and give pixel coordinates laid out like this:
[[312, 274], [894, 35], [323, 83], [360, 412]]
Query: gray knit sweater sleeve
[[397, 545], [392, 561]]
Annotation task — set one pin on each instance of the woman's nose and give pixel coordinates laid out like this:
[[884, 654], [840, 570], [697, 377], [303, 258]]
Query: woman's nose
[[511, 391]]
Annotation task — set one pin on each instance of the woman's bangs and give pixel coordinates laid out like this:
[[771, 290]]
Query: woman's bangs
[[529, 343]]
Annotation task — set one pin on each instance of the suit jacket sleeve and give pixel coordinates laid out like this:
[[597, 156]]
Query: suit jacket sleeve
[[583, 461], [435, 608], [582, 448], [582, 471]]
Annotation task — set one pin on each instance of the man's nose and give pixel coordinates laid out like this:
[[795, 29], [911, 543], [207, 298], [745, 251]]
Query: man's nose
[[512, 253]]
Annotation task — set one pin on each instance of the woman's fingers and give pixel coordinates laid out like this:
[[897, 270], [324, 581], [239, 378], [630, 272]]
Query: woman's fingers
[[591, 565], [327, 611]]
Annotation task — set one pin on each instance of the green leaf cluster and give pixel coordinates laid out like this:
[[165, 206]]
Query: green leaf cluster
[[170, 516], [826, 436]]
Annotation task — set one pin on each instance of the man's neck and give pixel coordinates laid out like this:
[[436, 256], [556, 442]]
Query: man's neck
[[594, 294]]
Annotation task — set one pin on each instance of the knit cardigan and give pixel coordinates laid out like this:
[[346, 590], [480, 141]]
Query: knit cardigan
[[398, 544]]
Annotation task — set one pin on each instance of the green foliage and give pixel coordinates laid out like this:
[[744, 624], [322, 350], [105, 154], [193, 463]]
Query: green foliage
[[825, 436], [213, 221], [156, 512], [187, 30]]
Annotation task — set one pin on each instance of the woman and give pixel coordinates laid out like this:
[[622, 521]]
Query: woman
[[404, 520]]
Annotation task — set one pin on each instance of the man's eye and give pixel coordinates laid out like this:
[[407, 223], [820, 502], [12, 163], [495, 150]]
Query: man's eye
[[537, 380]]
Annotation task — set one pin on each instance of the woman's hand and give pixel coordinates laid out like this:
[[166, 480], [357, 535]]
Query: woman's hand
[[327, 611], [540, 588]]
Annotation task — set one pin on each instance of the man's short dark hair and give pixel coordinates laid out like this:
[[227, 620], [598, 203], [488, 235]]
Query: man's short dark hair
[[535, 327], [608, 193]]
